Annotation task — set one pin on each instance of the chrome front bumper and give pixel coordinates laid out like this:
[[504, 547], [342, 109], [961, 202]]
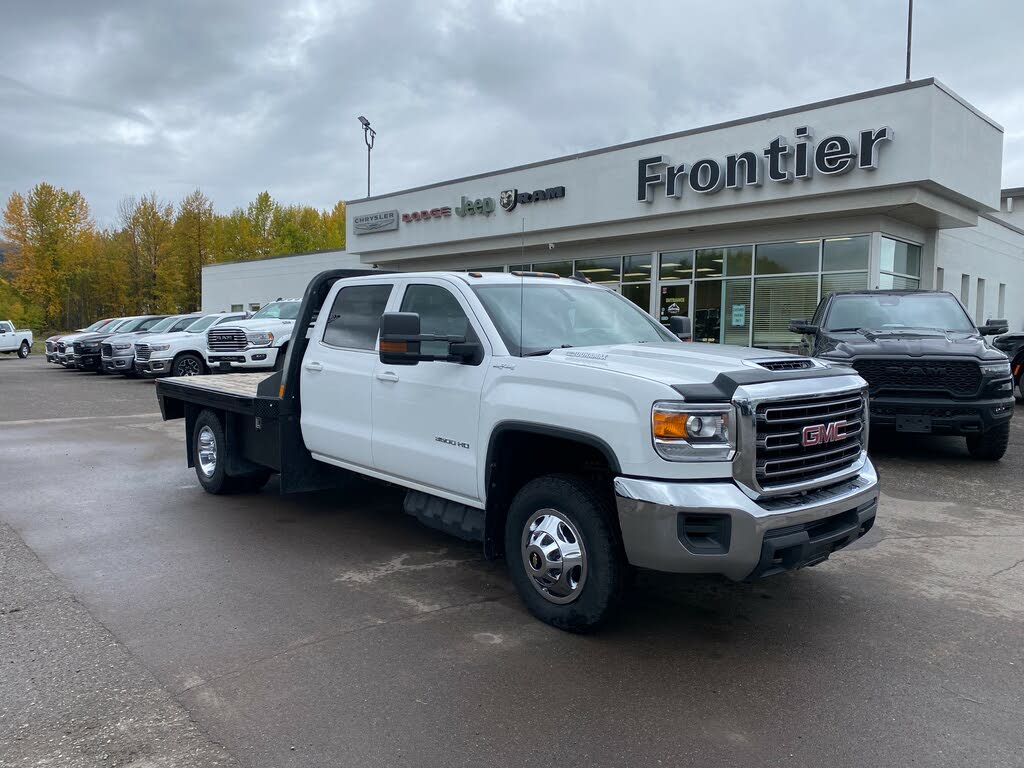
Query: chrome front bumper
[[714, 527]]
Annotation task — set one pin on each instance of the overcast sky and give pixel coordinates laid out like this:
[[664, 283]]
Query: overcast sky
[[114, 97]]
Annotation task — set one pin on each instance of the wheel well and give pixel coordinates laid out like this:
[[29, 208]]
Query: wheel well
[[191, 352], [519, 454]]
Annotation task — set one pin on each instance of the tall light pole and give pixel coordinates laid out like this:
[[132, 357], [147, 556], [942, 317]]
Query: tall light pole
[[910, 29], [368, 136]]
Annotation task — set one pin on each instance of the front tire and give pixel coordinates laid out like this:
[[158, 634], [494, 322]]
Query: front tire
[[563, 552], [188, 365], [990, 445], [23, 350]]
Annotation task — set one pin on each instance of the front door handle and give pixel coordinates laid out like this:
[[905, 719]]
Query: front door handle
[[314, 365], [387, 376]]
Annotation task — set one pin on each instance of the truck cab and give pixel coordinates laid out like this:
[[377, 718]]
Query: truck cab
[[926, 363], [556, 423]]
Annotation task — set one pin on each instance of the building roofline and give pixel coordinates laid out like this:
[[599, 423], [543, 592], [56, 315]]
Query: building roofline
[[911, 85], [276, 256], [1012, 192]]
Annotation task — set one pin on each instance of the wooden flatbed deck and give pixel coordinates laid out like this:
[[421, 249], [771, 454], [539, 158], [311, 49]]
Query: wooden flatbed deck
[[242, 384]]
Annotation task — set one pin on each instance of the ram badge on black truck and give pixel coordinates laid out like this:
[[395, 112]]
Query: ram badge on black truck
[[553, 421], [926, 363]]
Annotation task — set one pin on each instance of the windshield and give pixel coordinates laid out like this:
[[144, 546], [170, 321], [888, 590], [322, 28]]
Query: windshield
[[162, 325], [97, 325], [879, 312], [279, 310], [120, 324], [201, 325], [181, 323], [534, 319]]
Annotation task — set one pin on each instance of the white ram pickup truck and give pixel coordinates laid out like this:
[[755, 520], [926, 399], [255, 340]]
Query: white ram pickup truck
[[553, 421], [14, 340], [259, 343]]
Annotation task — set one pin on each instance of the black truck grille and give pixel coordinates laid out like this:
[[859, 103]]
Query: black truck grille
[[960, 378], [49, 346], [77, 347], [106, 350], [142, 352], [802, 441], [226, 340]]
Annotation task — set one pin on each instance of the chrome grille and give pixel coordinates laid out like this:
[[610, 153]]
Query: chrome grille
[[142, 352], [61, 347], [106, 350], [226, 340], [49, 346], [783, 428]]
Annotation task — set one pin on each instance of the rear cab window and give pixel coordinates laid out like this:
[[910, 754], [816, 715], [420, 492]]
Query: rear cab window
[[354, 318]]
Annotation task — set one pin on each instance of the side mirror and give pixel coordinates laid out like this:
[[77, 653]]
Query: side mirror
[[401, 342], [802, 326], [994, 328], [680, 326]]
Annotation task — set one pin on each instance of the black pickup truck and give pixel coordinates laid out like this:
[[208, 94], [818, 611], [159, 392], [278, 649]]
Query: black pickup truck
[[927, 365], [1012, 344]]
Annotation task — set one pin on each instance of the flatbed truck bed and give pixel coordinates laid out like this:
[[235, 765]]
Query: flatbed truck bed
[[260, 411]]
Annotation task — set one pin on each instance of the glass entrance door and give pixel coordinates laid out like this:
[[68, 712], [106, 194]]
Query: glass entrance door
[[674, 300]]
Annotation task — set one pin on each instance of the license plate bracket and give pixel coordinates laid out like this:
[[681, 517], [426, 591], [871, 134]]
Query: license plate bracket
[[910, 423]]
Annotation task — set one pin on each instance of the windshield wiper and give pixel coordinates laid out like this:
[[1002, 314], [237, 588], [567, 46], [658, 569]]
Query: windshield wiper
[[843, 330], [540, 352]]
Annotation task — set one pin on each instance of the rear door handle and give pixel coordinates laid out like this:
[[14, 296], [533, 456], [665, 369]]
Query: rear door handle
[[387, 376], [314, 365]]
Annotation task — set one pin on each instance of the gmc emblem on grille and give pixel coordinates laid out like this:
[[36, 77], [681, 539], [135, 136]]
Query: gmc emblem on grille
[[819, 434]]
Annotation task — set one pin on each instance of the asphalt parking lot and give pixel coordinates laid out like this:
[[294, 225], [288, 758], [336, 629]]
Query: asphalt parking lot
[[145, 623]]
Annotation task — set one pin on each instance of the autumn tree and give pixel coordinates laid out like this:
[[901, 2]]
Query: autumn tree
[[192, 248]]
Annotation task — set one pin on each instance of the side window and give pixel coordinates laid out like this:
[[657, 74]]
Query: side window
[[6, 327], [354, 322], [440, 313]]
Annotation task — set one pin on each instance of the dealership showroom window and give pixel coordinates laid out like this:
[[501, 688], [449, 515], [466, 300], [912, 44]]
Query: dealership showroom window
[[745, 294]]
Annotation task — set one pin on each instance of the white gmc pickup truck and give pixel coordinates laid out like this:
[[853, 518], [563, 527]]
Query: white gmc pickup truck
[[553, 421]]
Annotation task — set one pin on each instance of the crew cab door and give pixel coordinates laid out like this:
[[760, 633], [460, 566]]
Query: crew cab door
[[426, 416], [337, 371]]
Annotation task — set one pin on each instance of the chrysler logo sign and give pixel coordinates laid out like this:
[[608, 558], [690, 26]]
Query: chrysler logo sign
[[781, 161], [381, 221]]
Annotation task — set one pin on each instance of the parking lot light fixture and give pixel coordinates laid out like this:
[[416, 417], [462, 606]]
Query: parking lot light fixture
[[368, 136]]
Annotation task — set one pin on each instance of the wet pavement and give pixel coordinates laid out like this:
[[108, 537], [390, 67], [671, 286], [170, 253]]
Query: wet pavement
[[332, 629]]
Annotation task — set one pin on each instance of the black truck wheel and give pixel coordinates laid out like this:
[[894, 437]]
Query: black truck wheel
[[563, 554], [23, 350], [990, 445], [188, 364], [210, 450]]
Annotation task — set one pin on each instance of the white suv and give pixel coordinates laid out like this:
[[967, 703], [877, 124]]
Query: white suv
[[181, 353]]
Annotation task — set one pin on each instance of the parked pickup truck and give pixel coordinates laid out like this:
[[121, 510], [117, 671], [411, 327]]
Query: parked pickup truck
[[926, 363], [179, 353], [16, 341], [259, 343], [1012, 345], [553, 421]]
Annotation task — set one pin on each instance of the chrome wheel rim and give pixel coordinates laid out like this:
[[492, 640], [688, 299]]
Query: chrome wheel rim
[[554, 556], [188, 367], [207, 451]]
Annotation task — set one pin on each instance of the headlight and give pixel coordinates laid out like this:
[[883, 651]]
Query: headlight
[[122, 346], [688, 432], [996, 369], [159, 347], [260, 338]]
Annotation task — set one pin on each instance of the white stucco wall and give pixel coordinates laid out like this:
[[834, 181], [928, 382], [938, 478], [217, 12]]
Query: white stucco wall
[[257, 282], [992, 252]]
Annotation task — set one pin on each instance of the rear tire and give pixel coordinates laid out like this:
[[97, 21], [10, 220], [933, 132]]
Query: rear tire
[[210, 452], [990, 445], [23, 350], [188, 365], [565, 519]]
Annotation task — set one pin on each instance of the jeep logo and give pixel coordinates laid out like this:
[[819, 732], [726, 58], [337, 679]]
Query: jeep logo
[[819, 434]]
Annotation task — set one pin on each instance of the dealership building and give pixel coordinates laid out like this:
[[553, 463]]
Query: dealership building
[[742, 225]]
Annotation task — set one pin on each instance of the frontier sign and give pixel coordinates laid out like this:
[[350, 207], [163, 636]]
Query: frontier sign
[[781, 161]]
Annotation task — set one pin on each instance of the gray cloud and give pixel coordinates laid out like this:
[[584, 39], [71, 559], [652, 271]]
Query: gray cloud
[[124, 97]]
